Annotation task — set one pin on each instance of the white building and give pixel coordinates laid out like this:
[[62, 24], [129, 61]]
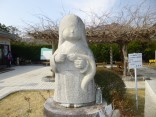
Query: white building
[[4, 46]]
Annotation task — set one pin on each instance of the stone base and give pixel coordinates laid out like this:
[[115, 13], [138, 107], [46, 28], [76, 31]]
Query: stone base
[[53, 110]]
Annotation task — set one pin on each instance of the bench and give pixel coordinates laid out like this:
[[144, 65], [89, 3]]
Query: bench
[[152, 61], [46, 63], [100, 64]]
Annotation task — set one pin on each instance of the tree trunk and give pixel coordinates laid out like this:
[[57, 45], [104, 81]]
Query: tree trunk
[[111, 57], [125, 58], [53, 47], [53, 50]]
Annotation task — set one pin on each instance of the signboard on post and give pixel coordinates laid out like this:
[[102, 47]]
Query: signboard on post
[[135, 60], [46, 53]]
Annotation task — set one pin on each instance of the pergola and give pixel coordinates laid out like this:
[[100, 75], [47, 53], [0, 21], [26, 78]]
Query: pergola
[[112, 33]]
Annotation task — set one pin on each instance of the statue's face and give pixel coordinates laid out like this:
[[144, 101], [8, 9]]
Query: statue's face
[[72, 33]]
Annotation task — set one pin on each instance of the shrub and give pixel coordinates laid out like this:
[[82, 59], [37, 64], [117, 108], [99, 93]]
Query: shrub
[[110, 84]]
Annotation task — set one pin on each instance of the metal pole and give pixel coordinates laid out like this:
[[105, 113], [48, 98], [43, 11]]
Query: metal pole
[[135, 69]]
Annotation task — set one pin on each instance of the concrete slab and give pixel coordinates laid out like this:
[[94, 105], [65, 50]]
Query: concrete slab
[[131, 84], [17, 70], [31, 79], [150, 98]]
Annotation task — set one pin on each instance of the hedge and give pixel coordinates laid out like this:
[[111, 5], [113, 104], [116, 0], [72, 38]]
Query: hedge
[[101, 51], [27, 51]]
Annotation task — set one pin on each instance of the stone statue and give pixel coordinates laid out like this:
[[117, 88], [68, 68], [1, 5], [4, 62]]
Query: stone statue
[[74, 65]]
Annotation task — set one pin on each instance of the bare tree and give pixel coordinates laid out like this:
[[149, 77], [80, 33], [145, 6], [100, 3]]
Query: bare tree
[[47, 31], [128, 25]]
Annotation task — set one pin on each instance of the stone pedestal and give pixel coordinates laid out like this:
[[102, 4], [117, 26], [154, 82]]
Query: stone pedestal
[[51, 109]]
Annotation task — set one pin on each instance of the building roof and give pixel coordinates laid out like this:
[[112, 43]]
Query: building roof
[[7, 35]]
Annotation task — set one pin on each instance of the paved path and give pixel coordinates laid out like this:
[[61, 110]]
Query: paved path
[[144, 72], [24, 78], [148, 72], [30, 78], [131, 84]]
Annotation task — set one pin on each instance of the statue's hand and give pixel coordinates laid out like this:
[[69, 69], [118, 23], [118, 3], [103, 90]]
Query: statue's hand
[[60, 58], [71, 57], [80, 63]]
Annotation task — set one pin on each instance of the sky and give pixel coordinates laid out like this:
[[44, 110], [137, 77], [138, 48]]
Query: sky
[[21, 13]]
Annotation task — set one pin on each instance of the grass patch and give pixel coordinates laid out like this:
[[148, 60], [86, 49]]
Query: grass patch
[[24, 104], [30, 104], [131, 99]]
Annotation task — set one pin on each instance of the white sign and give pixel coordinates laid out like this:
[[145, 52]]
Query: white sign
[[46, 53], [135, 60]]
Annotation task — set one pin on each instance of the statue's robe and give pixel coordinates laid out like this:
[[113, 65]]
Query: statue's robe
[[68, 78]]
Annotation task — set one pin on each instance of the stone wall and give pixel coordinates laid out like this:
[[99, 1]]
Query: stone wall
[[150, 98]]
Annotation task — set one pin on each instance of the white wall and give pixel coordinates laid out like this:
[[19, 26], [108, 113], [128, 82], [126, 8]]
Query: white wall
[[150, 98], [5, 41]]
